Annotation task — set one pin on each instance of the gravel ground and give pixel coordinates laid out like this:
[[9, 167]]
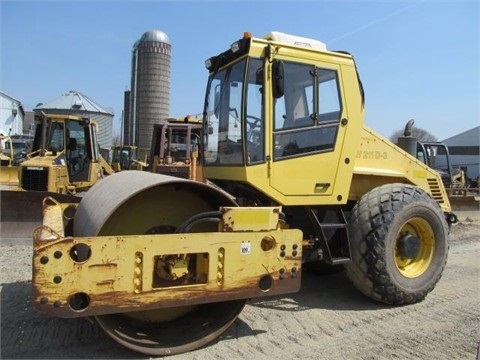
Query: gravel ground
[[327, 319]]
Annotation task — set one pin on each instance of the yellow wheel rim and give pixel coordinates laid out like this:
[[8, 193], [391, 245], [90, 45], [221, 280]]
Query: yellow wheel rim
[[414, 247]]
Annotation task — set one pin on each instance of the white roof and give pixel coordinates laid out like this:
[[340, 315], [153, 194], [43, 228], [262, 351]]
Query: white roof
[[74, 100], [295, 40], [5, 95]]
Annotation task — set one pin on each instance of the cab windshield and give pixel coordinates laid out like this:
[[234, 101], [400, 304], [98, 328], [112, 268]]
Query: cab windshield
[[234, 115]]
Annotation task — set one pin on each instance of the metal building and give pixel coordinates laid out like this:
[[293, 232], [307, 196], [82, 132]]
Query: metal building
[[12, 115], [464, 151], [76, 103], [150, 87]]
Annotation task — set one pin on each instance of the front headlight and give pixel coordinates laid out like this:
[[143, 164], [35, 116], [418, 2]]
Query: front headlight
[[235, 46]]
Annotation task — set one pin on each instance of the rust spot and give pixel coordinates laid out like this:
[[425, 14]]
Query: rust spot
[[124, 301], [106, 282], [226, 210], [293, 258], [227, 228], [105, 266]]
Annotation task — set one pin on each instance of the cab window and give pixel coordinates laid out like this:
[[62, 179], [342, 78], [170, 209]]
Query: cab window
[[308, 113]]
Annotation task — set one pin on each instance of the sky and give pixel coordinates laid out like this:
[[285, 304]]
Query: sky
[[417, 59]]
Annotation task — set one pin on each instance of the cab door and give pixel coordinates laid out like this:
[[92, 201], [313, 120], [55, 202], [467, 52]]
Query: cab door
[[77, 151], [306, 130]]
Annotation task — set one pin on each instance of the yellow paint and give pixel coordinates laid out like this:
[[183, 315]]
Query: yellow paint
[[123, 274]]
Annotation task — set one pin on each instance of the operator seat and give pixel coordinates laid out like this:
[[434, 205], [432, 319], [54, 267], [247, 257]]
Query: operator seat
[[72, 154]]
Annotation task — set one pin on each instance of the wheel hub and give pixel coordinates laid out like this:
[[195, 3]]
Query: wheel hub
[[414, 247], [408, 246]]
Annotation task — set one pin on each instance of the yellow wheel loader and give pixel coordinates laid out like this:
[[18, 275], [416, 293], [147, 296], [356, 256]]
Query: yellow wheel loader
[[128, 157], [437, 156], [165, 265], [8, 168], [13, 151], [63, 163]]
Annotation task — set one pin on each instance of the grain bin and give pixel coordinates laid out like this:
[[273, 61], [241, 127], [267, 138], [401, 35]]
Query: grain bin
[[78, 104]]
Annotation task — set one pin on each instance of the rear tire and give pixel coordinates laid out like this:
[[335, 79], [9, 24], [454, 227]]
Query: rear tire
[[399, 244]]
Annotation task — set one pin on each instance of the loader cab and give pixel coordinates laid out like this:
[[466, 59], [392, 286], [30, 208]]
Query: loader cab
[[64, 147], [122, 157], [175, 148], [437, 156], [69, 142], [277, 121], [16, 149]]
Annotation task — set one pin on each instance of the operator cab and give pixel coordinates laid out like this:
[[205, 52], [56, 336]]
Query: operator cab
[[60, 141], [269, 103]]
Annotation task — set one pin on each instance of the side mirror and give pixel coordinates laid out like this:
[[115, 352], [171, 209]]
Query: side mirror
[[278, 85]]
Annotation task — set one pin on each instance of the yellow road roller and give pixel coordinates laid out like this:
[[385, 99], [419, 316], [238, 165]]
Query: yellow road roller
[[294, 180]]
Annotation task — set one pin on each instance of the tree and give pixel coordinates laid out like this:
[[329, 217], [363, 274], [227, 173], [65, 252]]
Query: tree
[[117, 140], [419, 133]]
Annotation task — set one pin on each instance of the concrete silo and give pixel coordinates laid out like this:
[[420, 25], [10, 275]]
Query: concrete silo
[[150, 86]]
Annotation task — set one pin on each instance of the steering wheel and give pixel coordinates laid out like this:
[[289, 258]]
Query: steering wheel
[[253, 124]]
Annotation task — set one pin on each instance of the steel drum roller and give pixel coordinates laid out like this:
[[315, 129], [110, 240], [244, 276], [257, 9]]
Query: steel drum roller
[[134, 203]]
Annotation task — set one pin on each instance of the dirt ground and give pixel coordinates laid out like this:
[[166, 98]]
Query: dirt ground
[[327, 319]]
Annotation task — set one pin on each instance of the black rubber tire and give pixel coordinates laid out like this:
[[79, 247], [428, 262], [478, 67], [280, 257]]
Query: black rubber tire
[[374, 228]]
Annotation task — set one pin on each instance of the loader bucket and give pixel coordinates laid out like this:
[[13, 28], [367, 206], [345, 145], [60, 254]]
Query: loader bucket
[[464, 199], [21, 211], [467, 202]]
